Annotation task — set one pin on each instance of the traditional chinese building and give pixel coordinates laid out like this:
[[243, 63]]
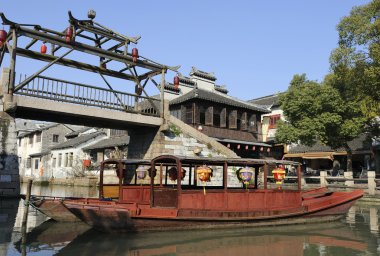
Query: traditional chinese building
[[201, 103]]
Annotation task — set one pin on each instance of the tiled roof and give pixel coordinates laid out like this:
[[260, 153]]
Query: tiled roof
[[203, 74], [77, 140], [269, 101], [217, 97], [221, 88], [37, 130], [77, 132], [358, 144], [170, 87], [110, 143], [186, 80]]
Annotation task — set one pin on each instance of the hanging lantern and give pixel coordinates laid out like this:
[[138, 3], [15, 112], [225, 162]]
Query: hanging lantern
[[279, 176], [246, 147], [86, 163], [204, 174], [173, 174], [152, 172], [268, 150], [3, 37], [176, 82], [253, 148], [238, 146], [246, 175], [261, 149], [228, 145], [141, 172], [135, 54], [69, 34], [43, 48]]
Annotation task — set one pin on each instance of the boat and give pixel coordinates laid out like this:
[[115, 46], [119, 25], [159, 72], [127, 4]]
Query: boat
[[181, 193], [53, 207]]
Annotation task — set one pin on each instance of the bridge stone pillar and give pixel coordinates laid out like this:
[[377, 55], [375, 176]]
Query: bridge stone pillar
[[9, 172], [140, 140]]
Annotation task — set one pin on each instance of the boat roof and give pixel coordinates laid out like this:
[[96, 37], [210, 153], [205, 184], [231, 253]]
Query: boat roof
[[221, 160]]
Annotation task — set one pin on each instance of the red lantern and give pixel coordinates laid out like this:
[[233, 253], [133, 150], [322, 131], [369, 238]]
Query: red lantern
[[204, 174], [228, 145], [43, 48], [86, 163], [238, 146], [69, 34], [246, 147], [173, 174], [176, 82], [253, 148], [279, 175], [261, 149], [268, 150], [3, 37], [135, 54]]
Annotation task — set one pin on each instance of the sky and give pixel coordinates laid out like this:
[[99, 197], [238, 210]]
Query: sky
[[253, 47]]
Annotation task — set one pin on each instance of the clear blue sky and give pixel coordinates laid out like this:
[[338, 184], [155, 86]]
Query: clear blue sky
[[253, 47]]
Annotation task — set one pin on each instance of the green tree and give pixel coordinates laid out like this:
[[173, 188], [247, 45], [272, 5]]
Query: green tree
[[355, 63], [316, 112], [347, 103]]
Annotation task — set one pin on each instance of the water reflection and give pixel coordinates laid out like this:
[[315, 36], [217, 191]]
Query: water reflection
[[356, 234]]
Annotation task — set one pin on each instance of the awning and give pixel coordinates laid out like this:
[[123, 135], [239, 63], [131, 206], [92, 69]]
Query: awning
[[311, 155]]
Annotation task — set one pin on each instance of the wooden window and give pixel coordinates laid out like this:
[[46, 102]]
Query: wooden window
[[71, 156], [55, 137], [232, 118], [202, 115], [59, 159], [36, 164], [31, 137], [273, 121], [216, 117], [38, 137], [209, 115], [66, 160], [19, 142], [243, 121], [28, 162], [196, 113], [223, 118], [54, 162], [252, 123], [189, 114]]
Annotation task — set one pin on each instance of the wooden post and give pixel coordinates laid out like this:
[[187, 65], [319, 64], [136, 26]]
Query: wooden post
[[25, 217], [12, 64], [265, 176], [299, 177], [371, 182], [162, 93]]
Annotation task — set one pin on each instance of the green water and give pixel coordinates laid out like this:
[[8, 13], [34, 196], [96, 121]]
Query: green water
[[356, 234]]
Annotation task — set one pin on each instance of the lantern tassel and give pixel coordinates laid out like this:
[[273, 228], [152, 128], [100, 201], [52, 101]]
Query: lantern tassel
[[204, 188]]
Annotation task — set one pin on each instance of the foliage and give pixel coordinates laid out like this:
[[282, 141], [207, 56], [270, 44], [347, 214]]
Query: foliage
[[317, 112], [175, 130], [356, 62]]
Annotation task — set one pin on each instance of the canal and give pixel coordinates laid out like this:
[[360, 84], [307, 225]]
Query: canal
[[356, 234]]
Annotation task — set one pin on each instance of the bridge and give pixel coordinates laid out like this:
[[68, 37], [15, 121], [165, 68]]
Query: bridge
[[102, 51]]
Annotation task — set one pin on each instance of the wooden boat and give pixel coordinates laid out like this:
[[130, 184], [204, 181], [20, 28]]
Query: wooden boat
[[54, 208], [191, 193]]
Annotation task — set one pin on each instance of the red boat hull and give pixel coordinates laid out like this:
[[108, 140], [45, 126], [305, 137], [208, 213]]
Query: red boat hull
[[113, 216]]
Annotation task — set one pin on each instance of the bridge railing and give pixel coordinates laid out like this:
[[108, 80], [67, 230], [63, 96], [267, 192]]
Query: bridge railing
[[78, 93]]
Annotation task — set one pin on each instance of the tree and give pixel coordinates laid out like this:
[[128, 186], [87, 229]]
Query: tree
[[318, 113], [347, 103], [356, 61]]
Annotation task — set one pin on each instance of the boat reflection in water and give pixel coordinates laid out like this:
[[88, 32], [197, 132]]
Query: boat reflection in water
[[291, 240]]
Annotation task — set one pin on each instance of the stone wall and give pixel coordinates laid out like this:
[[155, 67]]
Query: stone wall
[[177, 138], [9, 175], [8, 212]]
